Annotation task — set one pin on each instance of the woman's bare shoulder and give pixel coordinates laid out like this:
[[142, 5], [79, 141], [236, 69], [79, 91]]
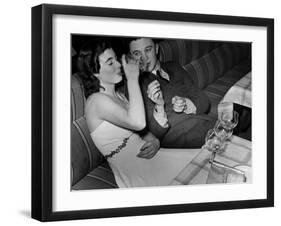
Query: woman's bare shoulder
[[95, 98], [97, 101]]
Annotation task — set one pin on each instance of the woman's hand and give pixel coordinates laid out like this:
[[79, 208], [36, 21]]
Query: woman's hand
[[131, 68]]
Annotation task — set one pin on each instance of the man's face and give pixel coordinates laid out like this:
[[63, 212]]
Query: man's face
[[145, 51]]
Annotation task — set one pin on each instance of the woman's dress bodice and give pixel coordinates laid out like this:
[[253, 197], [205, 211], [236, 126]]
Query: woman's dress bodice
[[107, 137]]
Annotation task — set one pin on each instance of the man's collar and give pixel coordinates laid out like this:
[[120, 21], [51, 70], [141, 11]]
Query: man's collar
[[158, 71]]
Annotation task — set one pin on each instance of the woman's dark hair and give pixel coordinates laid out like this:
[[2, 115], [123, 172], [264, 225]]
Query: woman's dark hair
[[88, 64]]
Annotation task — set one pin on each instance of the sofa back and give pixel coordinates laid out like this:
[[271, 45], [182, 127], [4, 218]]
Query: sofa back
[[208, 68], [184, 51], [77, 97], [84, 154]]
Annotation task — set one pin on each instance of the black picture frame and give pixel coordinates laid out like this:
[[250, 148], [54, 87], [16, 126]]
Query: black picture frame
[[42, 106]]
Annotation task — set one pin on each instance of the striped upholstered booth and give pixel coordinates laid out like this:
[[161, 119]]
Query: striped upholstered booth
[[218, 70], [214, 68], [89, 168], [184, 51]]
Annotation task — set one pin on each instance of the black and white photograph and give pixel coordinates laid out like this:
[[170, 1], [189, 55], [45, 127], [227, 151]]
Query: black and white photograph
[[159, 112]]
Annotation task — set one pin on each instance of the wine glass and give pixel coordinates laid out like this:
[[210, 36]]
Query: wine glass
[[213, 143], [226, 123]]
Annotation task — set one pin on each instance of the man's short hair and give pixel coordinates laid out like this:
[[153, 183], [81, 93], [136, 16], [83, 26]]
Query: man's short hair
[[128, 40]]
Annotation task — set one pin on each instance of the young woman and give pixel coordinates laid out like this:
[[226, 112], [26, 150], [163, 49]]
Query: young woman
[[112, 120]]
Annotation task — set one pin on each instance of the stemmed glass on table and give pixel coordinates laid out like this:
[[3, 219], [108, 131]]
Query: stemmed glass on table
[[216, 138], [214, 143], [226, 123]]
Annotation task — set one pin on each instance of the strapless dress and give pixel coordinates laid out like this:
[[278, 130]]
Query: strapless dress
[[120, 146]]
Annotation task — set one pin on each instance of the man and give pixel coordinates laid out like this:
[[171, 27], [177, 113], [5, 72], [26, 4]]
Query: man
[[174, 106]]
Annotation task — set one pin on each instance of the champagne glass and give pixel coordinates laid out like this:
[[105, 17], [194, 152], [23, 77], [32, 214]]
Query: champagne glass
[[213, 143], [226, 123]]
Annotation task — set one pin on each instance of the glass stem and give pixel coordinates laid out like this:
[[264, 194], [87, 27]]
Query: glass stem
[[213, 155]]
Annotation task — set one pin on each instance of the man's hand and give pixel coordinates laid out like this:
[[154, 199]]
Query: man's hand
[[190, 107], [150, 148], [183, 104], [154, 93], [179, 104]]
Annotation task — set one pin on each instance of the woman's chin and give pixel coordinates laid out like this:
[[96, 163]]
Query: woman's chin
[[120, 79]]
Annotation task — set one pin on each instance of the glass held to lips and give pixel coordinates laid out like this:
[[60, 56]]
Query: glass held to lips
[[143, 65]]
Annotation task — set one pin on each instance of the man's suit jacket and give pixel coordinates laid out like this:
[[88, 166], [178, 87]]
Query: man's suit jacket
[[184, 131]]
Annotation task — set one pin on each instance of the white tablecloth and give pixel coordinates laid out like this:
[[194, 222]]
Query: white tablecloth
[[241, 92], [238, 151]]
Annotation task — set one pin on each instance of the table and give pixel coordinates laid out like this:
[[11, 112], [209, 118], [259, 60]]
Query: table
[[199, 170], [241, 92]]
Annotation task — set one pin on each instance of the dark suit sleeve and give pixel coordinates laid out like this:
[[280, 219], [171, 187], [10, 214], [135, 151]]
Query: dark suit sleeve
[[155, 128], [196, 95], [199, 98]]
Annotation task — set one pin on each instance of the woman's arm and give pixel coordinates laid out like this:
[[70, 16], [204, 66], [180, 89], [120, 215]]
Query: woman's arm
[[136, 112], [103, 107]]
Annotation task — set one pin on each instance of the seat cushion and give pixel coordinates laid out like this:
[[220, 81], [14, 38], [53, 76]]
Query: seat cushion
[[100, 178], [84, 154]]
